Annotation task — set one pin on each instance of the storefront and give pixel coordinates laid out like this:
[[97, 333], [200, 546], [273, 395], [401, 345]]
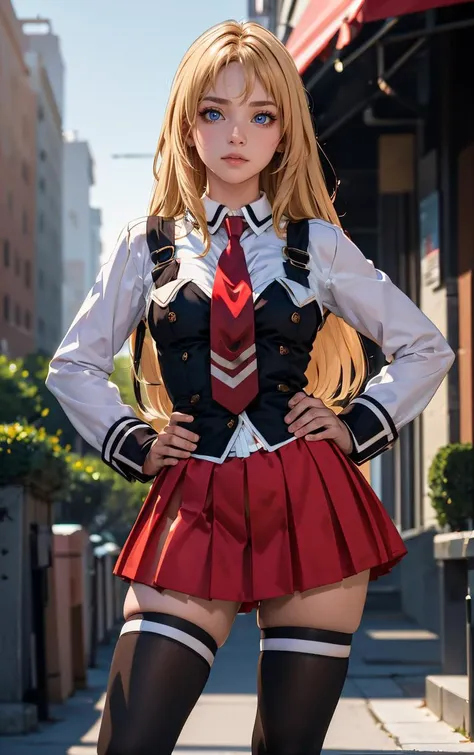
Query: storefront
[[390, 86]]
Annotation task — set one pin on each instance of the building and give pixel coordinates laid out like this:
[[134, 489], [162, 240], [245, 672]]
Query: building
[[18, 114], [391, 97], [80, 227], [46, 68], [48, 46], [263, 12], [96, 243]]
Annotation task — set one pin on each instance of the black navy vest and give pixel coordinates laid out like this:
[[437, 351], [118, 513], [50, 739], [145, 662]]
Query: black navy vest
[[284, 339]]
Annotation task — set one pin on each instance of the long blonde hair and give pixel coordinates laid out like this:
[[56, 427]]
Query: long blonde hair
[[293, 181]]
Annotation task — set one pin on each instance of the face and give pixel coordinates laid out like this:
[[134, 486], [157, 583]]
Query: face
[[236, 140]]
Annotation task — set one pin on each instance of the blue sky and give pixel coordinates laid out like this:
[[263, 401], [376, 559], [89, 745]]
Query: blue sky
[[120, 58]]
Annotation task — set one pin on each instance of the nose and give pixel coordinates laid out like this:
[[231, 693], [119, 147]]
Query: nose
[[237, 136]]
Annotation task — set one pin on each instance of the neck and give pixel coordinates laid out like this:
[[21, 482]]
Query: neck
[[233, 196]]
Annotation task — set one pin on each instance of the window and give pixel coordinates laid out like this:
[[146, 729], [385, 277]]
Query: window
[[40, 113], [6, 253], [17, 315], [42, 185], [41, 325], [27, 319], [41, 222], [25, 172], [27, 273], [6, 308]]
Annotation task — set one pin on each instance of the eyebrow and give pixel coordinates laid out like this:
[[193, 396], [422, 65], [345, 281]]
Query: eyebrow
[[255, 103]]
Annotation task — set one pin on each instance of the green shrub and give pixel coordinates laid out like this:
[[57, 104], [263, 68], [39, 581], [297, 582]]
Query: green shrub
[[31, 457], [19, 397], [451, 485]]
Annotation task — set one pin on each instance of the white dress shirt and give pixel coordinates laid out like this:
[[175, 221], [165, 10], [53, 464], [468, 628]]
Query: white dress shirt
[[341, 280]]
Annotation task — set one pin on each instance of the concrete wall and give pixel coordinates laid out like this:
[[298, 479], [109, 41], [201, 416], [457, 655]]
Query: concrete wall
[[419, 580]]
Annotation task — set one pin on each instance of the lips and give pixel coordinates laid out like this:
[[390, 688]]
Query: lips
[[235, 156]]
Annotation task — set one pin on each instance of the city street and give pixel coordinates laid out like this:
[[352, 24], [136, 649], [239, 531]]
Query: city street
[[224, 228], [381, 710]]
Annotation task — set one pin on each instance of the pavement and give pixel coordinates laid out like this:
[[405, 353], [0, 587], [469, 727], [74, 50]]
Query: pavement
[[381, 711]]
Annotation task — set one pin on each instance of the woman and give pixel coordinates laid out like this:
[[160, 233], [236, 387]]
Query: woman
[[247, 304]]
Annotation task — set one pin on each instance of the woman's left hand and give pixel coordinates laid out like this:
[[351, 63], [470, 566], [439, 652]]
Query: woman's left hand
[[308, 414]]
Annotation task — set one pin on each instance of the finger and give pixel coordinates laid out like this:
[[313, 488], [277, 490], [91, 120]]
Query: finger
[[313, 415], [180, 417], [169, 462], [297, 398], [182, 432], [310, 403], [177, 452], [302, 405], [329, 434], [172, 439]]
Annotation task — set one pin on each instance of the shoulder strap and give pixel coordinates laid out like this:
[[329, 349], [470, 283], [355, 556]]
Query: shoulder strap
[[160, 236], [296, 251]]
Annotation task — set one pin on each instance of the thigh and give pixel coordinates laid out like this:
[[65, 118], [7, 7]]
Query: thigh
[[214, 616], [336, 607]]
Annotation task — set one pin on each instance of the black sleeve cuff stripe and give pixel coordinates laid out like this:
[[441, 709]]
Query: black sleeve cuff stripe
[[377, 408], [114, 434], [126, 445], [371, 427]]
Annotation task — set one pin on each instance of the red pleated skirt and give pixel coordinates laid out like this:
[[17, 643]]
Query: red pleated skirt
[[269, 525]]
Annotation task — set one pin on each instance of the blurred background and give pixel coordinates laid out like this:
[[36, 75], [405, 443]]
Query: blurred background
[[83, 88]]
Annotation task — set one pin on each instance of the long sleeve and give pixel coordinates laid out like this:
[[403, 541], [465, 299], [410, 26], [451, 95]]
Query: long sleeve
[[418, 356], [79, 371]]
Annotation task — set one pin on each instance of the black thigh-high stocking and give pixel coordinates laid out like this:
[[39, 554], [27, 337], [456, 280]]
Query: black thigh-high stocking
[[301, 674], [159, 669]]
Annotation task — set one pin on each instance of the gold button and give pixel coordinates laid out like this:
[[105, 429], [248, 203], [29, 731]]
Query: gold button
[[184, 356], [172, 316], [195, 398], [283, 388], [284, 350], [231, 423], [295, 317]]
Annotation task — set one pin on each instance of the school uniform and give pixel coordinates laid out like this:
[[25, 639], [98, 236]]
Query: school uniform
[[263, 514]]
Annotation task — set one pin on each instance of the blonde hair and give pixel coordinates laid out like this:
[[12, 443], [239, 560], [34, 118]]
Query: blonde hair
[[293, 181]]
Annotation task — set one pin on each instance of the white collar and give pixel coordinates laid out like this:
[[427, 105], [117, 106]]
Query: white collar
[[257, 214]]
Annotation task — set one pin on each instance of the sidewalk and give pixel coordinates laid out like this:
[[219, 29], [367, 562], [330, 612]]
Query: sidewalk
[[381, 710]]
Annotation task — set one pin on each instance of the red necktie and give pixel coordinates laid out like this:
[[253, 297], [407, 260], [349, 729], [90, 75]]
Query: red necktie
[[234, 376]]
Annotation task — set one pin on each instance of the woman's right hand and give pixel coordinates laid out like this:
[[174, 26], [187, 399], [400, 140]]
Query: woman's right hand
[[173, 443]]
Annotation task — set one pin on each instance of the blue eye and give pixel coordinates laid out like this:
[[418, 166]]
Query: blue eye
[[210, 115], [264, 119]]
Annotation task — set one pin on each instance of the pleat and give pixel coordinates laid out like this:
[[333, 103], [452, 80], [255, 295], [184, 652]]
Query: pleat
[[355, 541], [230, 562], [137, 559], [272, 568], [363, 518], [272, 524], [317, 544], [185, 563]]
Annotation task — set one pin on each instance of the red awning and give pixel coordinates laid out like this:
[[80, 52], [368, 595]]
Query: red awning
[[374, 10], [320, 22], [324, 19]]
